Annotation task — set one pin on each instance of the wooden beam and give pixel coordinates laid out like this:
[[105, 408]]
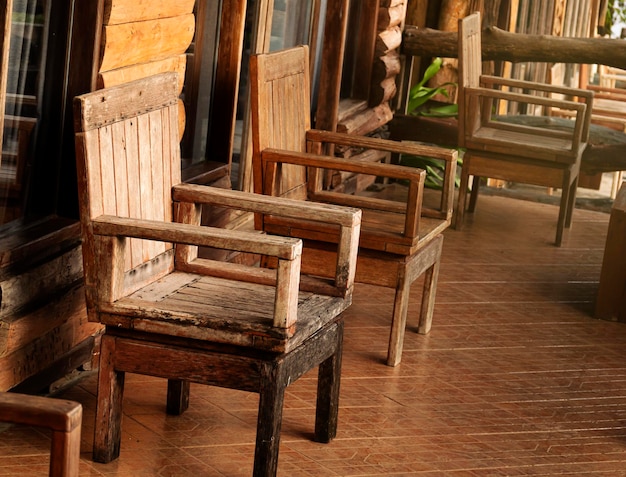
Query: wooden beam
[[517, 47]]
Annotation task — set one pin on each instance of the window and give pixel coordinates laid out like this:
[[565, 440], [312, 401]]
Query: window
[[216, 84], [36, 39]]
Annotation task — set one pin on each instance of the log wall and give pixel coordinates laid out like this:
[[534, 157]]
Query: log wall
[[141, 38], [42, 309], [365, 116]]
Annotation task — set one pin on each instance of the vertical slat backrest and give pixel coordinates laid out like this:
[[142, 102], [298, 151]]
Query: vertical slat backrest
[[470, 69], [280, 101], [128, 159]]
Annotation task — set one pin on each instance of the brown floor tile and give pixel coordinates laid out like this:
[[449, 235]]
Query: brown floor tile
[[515, 378]]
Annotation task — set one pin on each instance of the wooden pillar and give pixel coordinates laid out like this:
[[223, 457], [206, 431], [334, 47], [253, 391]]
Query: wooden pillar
[[333, 49], [611, 301], [5, 41]]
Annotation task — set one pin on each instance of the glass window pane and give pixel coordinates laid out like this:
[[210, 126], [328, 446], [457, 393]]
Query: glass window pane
[[26, 53]]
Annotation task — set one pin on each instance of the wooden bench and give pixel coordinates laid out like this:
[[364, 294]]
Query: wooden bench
[[62, 417], [611, 300]]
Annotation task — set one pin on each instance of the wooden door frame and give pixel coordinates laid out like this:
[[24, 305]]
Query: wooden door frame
[[5, 41]]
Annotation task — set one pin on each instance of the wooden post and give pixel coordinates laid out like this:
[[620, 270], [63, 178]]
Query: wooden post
[[5, 41], [330, 75], [611, 302]]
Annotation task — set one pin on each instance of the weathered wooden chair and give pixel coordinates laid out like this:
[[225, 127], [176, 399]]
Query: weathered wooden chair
[[508, 149], [401, 239], [62, 417], [171, 314]]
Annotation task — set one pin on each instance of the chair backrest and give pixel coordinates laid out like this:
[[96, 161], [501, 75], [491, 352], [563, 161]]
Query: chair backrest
[[128, 159], [469, 70], [281, 113]]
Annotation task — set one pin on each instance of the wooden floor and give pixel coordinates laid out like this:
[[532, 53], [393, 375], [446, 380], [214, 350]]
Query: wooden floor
[[515, 378]]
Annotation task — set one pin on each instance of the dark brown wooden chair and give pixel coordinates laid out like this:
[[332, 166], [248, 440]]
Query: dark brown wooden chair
[[62, 417], [401, 237], [507, 148], [171, 314]]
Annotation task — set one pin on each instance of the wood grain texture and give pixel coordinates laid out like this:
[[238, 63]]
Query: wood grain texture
[[141, 42], [286, 166], [130, 11]]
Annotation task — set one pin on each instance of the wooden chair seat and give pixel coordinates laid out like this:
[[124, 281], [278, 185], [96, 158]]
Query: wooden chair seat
[[219, 310], [400, 233], [516, 151], [169, 313]]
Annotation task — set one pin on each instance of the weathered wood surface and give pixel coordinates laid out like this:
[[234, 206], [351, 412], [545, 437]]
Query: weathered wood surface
[[133, 43], [506, 149], [611, 300], [62, 417], [498, 44], [107, 79], [130, 11], [396, 229], [195, 320]]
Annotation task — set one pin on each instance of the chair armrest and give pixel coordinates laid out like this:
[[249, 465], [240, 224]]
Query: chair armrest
[[399, 147], [414, 176], [287, 250], [526, 98], [235, 240], [488, 80], [264, 204], [55, 414], [411, 148], [579, 133], [347, 218], [585, 96]]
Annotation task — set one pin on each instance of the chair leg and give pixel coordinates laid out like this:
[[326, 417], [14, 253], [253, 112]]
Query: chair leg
[[572, 203], [564, 207], [462, 197], [328, 382], [425, 263], [107, 438], [65, 453], [177, 396], [474, 194], [271, 398], [428, 296], [398, 319]]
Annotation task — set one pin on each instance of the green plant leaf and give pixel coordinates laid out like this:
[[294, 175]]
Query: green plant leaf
[[431, 71]]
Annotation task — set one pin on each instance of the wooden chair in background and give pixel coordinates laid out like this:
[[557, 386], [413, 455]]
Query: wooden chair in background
[[62, 417], [401, 239], [170, 314], [507, 148]]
